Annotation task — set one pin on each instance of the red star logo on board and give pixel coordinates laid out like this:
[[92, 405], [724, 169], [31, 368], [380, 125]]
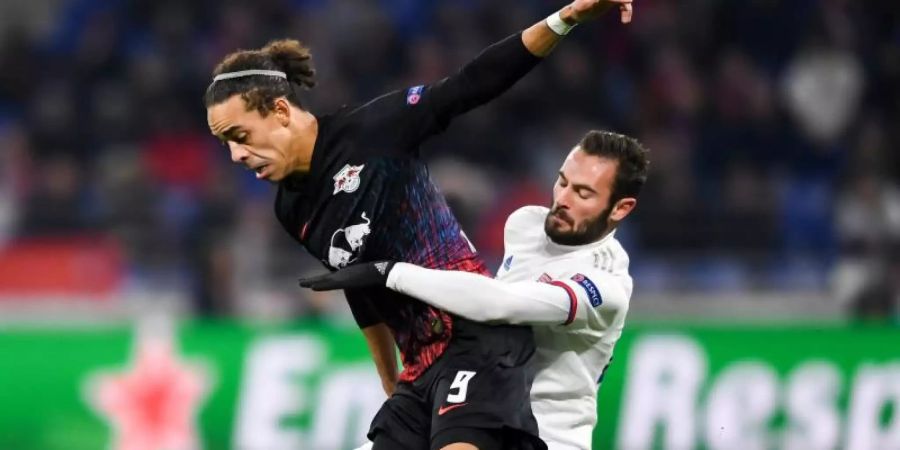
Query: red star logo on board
[[153, 404]]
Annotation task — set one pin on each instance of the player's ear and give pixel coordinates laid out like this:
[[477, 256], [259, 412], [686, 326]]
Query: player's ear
[[282, 111], [623, 208]]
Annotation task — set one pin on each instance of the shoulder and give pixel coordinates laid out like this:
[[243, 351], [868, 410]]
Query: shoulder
[[390, 103], [524, 225], [370, 105], [526, 218], [357, 118], [601, 273], [612, 264], [391, 124], [618, 258], [335, 127]]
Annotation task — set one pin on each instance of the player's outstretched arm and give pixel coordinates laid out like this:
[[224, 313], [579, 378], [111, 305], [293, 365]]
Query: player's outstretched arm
[[484, 299], [471, 295], [542, 37], [412, 115]]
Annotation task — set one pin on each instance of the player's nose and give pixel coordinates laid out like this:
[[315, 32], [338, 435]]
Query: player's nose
[[239, 154], [563, 198]]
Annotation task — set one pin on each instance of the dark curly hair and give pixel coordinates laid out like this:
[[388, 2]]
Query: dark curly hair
[[632, 158], [260, 91]]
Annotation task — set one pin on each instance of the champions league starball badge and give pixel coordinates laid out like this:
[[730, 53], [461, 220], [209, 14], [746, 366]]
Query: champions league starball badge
[[414, 94]]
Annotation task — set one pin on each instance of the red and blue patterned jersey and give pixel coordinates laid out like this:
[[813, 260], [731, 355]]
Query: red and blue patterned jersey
[[368, 196]]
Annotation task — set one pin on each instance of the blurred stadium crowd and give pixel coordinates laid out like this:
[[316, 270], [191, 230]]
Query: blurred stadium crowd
[[773, 127]]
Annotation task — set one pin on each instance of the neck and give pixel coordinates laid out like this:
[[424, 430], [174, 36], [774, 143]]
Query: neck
[[305, 129]]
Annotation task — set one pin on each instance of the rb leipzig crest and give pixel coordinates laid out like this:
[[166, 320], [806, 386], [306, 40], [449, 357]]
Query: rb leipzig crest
[[347, 179]]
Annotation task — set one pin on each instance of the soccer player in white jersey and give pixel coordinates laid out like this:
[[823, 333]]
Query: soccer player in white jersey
[[564, 273]]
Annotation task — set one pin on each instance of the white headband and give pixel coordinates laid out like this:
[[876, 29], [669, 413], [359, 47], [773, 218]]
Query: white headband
[[246, 73]]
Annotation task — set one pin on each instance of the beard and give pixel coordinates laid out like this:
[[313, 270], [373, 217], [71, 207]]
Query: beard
[[586, 232]]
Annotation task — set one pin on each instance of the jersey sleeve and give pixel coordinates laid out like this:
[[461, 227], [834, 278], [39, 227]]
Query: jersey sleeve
[[596, 298], [403, 119], [480, 298], [583, 300]]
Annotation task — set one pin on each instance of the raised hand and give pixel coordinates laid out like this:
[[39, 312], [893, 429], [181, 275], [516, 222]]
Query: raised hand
[[580, 11]]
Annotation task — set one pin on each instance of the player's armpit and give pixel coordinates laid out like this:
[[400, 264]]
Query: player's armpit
[[384, 353]]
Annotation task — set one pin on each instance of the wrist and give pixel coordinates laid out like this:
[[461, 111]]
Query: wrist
[[568, 16], [561, 22]]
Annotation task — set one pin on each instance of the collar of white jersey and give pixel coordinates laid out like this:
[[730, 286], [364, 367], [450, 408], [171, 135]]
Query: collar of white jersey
[[574, 248]]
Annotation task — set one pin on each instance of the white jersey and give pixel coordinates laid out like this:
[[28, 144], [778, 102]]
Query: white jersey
[[575, 298], [572, 356]]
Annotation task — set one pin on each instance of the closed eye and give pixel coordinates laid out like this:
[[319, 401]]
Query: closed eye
[[234, 134]]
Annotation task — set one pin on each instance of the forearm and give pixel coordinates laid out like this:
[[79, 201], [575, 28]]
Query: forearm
[[480, 298], [490, 74], [381, 346], [540, 40]]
